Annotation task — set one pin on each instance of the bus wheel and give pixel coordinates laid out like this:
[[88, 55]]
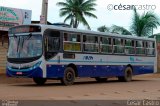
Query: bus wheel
[[69, 76], [127, 76], [98, 79], [40, 81]]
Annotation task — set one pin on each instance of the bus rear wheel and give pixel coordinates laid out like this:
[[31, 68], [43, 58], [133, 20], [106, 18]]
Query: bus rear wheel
[[69, 76], [127, 75], [98, 79], [40, 81]]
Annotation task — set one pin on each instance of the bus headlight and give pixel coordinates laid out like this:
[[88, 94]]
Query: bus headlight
[[36, 65]]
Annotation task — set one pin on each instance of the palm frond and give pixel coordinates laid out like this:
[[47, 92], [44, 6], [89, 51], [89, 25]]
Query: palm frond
[[83, 21], [89, 3], [69, 17], [78, 9], [62, 4], [90, 14], [143, 25]]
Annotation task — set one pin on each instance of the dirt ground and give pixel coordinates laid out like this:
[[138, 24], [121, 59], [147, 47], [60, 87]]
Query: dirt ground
[[142, 87], [8, 80]]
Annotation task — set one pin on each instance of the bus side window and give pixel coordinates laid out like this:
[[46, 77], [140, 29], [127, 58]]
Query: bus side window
[[140, 48], [65, 38], [127, 46], [137, 48], [52, 43], [72, 42], [90, 43], [113, 44], [153, 51], [119, 46], [150, 49], [105, 45], [133, 43]]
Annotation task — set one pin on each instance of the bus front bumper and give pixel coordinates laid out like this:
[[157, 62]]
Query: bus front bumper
[[34, 73]]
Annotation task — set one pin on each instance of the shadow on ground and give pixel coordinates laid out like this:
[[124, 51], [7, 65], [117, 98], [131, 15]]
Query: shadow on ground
[[57, 83]]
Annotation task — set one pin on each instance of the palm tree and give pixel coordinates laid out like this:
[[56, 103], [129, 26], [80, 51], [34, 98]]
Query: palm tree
[[76, 10], [103, 29], [144, 25]]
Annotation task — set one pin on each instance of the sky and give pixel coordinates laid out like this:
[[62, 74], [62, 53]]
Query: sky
[[109, 12]]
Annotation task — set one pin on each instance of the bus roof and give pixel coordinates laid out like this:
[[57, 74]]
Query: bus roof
[[44, 27]]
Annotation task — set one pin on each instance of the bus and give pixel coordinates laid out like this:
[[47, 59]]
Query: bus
[[46, 52]]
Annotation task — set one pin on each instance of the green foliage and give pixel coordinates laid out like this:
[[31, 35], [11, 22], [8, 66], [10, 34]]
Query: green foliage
[[120, 30], [114, 29], [103, 29], [157, 36], [76, 10], [143, 25]]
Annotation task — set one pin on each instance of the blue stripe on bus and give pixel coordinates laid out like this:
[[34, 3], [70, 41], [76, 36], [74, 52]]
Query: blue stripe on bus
[[57, 71], [151, 63]]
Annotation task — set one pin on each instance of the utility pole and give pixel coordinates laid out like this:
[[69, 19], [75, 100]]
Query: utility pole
[[44, 12]]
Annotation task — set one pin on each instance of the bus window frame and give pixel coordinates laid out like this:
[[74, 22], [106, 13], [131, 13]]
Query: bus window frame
[[108, 45], [45, 36], [99, 36], [153, 48], [96, 44], [131, 46], [142, 48], [118, 45], [63, 41]]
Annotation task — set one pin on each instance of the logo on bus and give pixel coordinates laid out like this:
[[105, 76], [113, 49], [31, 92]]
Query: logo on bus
[[88, 58], [133, 59]]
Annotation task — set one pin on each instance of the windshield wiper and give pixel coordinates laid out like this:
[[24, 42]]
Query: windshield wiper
[[18, 45], [14, 35], [27, 38]]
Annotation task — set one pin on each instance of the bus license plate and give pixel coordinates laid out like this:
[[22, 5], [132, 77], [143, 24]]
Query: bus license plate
[[19, 73]]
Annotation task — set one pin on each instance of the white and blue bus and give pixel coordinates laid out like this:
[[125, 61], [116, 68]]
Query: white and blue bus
[[46, 52]]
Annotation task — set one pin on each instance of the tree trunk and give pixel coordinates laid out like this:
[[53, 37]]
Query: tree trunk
[[75, 25]]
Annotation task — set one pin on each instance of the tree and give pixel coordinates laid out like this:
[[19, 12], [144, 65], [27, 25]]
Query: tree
[[76, 10], [120, 30], [114, 29], [143, 25], [103, 29]]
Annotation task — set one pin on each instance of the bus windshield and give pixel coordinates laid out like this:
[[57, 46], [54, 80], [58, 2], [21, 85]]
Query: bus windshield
[[25, 46]]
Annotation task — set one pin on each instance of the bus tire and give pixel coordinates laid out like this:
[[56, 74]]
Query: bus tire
[[127, 75], [40, 81], [98, 79], [69, 76]]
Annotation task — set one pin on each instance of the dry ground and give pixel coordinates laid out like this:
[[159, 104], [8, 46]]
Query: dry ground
[[142, 87]]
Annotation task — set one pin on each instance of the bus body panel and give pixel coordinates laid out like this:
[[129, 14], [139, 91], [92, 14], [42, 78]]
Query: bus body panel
[[100, 65], [57, 71], [32, 69], [31, 73], [87, 64]]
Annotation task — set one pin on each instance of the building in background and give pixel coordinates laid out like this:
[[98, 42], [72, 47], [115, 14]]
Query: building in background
[[10, 17]]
